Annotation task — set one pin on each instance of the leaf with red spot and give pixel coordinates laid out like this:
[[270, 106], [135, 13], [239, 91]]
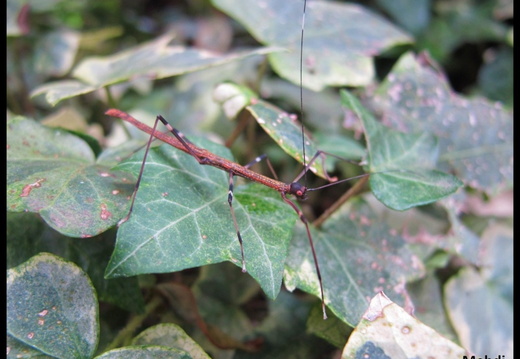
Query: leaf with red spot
[[55, 174]]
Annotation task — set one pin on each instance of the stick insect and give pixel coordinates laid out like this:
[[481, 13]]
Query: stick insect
[[205, 157]]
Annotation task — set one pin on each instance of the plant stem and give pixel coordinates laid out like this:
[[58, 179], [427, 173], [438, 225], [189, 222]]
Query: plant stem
[[345, 197]]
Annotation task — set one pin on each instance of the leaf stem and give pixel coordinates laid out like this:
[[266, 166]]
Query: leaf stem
[[345, 197]]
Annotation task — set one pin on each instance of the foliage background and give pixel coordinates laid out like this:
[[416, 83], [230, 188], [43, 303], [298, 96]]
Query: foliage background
[[464, 243]]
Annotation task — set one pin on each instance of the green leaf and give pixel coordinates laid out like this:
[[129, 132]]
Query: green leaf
[[53, 173], [283, 331], [223, 283], [404, 190], [358, 255], [52, 306], [461, 240], [17, 349], [337, 52], [222, 294], [495, 78], [333, 330], [321, 110], [56, 52], [27, 235], [340, 145], [400, 163], [285, 130], [61, 90], [475, 136], [412, 15], [171, 336], [426, 295], [145, 352], [181, 219], [156, 58], [233, 98], [388, 331], [460, 24], [474, 297]]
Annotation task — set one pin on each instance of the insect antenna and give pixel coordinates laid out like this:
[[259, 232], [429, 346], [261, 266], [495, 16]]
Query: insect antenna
[[301, 91], [305, 168]]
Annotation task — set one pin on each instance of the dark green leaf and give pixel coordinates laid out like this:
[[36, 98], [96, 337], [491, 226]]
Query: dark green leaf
[[495, 78], [460, 24], [17, 349], [181, 219], [283, 331], [333, 330], [53, 173], [223, 295], [27, 236], [412, 15], [343, 146], [224, 283], [52, 306]]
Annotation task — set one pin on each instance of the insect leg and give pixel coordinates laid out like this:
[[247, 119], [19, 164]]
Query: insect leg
[[182, 139], [259, 159], [230, 202], [311, 242], [140, 176]]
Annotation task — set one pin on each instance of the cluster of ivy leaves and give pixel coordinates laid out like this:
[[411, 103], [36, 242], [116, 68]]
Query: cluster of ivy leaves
[[419, 93]]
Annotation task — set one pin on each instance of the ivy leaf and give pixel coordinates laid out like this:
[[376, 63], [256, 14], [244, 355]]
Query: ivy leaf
[[387, 331], [475, 136], [486, 294], [340, 39], [181, 219], [358, 255], [27, 235], [56, 52], [401, 163], [286, 131], [156, 58], [52, 306], [145, 352], [54, 173], [171, 336]]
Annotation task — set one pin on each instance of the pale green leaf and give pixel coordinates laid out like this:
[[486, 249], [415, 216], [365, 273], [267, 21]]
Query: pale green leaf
[[340, 38]]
